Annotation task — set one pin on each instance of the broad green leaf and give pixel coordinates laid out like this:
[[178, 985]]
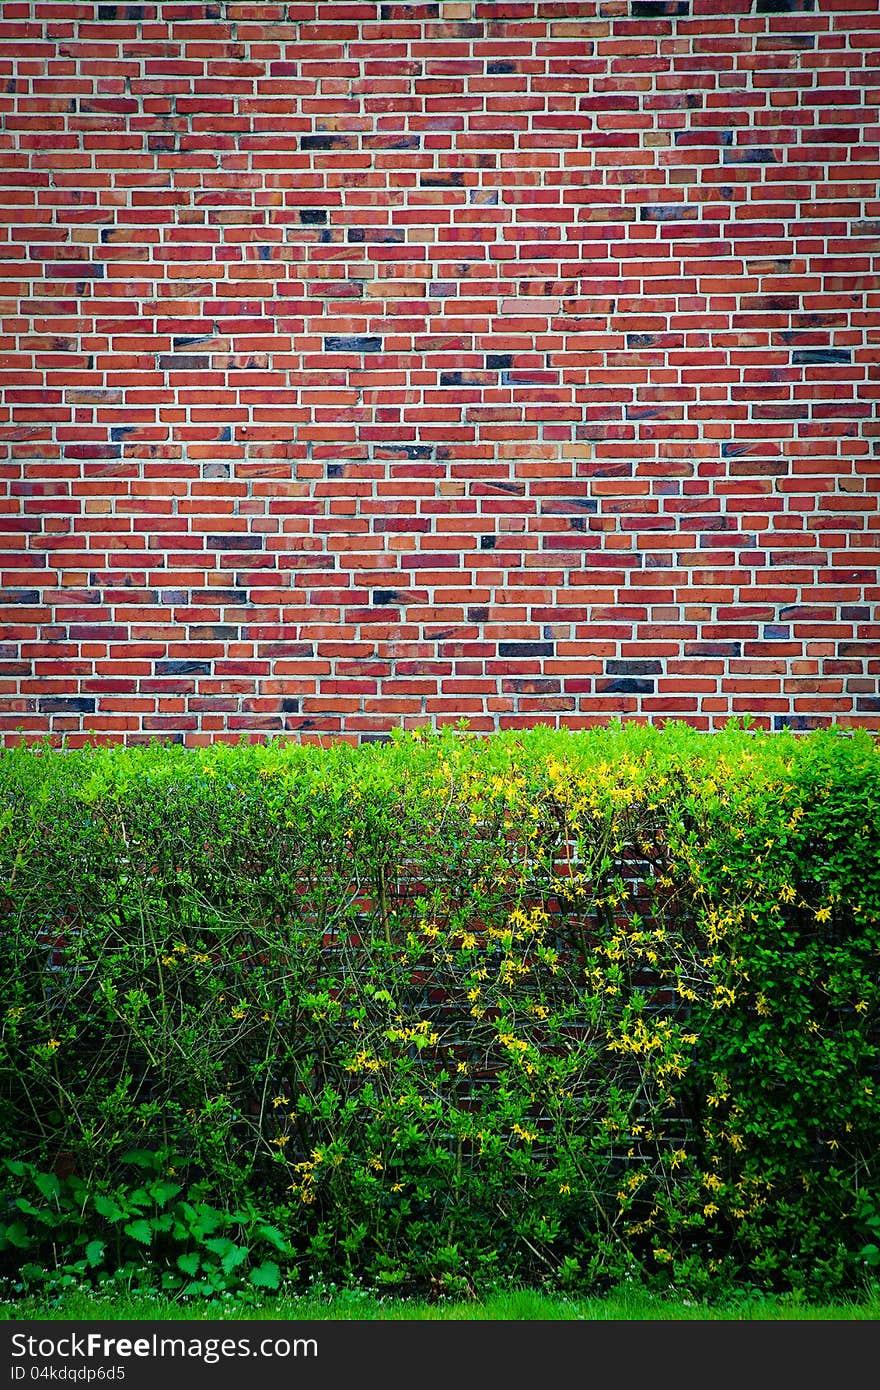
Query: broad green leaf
[[267, 1275], [219, 1245], [140, 1231], [48, 1184], [16, 1234], [234, 1257], [273, 1236], [106, 1207], [162, 1192]]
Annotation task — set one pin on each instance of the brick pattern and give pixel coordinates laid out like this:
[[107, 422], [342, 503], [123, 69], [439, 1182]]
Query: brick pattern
[[371, 364]]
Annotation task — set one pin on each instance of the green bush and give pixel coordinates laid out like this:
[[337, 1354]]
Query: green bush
[[553, 1007]]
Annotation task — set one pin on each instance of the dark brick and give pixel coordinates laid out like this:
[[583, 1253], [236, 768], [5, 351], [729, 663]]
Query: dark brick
[[525, 648], [634, 666], [806, 357], [183, 362], [214, 632], [323, 142], [357, 343], [797, 722], [712, 649], [19, 595], [290, 704], [499, 361], [488, 542], [784, 6], [387, 596], [313, 216], [454, 178], [667, 212], [625, 686], [67, 704], [749, 154], [659, 9], [190, 341], [240, 542], [182, 668]]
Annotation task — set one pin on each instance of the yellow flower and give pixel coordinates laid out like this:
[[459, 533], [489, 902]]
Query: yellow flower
[[564, 1187], [823, 914], [527, 1135], [709, 1209], [52, 1044]]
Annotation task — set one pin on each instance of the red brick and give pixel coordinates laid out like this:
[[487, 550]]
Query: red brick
[[617, 271]]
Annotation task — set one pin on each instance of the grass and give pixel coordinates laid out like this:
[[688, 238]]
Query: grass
[[354, 1305]]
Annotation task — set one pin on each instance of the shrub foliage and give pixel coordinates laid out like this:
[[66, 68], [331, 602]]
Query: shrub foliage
[[547, 1006]]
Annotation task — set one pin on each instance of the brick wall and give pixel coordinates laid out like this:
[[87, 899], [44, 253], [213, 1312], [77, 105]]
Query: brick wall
[[371, 364]]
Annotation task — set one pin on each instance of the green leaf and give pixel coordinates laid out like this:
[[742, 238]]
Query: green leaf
[[141, 1158], [267, 1275], [16, 1234], [219, 1245], [140, 1231], [189, 1262], [106, 1207], [273, 1236], [208, 1218], [48, 1184], [234, 1257], [95, 1252], [162, 1192]]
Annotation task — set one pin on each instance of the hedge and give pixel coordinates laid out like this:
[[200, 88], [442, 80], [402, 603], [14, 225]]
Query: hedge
[[555, 1007]]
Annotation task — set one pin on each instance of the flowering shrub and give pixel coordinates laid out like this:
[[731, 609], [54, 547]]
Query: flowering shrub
[[554, 1007]]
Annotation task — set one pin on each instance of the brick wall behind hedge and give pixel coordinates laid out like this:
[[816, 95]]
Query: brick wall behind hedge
[[376, 363]]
